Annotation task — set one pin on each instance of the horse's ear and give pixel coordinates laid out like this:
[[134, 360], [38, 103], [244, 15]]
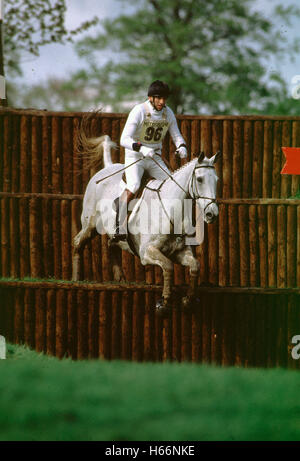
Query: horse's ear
[[217, 156], [201, 157]]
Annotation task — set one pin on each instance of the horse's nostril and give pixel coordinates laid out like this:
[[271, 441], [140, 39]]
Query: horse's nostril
[[209, 215]]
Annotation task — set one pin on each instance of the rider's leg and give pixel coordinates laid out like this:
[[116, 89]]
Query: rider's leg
[[160, 171], [133, 179]]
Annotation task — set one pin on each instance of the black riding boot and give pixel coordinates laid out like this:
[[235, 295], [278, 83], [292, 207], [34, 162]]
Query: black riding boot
[[121, 204]]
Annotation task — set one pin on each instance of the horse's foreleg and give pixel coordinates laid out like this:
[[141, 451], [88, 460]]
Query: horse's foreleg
[[154, 256], [115, 253], [79, 240], [186, 258]]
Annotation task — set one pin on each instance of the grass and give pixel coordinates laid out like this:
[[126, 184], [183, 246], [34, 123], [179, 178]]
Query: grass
[[43, 398]]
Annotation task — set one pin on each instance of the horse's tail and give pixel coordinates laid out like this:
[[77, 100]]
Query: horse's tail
[[95, 149]]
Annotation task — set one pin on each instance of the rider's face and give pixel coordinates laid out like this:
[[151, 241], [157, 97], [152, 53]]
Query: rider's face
[[158, 102]]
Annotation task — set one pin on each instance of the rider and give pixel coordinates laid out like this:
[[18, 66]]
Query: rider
[[145, 128]]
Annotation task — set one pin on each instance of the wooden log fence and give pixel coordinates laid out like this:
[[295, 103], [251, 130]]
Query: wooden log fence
[[37, 151], [255, 242], [250, 260], [226, 327]]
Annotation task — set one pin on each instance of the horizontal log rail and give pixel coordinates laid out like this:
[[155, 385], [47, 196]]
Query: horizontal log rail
[[45, 112], [111, 286], [230, 201]]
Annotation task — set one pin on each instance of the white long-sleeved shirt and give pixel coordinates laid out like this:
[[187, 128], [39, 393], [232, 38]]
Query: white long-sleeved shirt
[[135, 120]]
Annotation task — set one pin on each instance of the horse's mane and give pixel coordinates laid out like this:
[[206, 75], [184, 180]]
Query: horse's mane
[[185, 165]]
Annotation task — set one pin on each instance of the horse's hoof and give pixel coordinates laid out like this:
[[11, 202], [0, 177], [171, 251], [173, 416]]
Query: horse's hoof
[[189, 302], [162, 308]]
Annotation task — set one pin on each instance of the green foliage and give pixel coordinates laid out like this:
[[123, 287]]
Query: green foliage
[[30, 24], [43, 398], [213, 54]]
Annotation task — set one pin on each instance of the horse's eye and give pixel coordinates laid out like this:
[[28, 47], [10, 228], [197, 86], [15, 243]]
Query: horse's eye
[[199, 179]]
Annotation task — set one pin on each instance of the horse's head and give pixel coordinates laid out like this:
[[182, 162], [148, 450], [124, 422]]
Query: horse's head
[[203, 186]]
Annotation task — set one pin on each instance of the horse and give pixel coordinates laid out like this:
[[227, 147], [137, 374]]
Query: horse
[[195, 181]]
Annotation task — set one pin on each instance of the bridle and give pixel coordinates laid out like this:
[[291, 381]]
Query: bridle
[[191, 193]]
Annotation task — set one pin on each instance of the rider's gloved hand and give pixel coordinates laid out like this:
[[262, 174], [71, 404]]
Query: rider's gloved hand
[[182, 152], [147, 151]]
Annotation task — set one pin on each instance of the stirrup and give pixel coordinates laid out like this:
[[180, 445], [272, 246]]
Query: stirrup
[[117, 237]]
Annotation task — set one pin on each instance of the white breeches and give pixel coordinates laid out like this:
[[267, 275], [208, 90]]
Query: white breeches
[[135, 172]]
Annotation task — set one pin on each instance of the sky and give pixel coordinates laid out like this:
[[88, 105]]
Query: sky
[[39, 69]]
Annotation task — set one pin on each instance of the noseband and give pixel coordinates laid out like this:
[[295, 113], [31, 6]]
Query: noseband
[[193, 180]]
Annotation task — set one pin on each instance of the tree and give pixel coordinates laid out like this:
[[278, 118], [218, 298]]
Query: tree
[[30, 24], [213, 54]]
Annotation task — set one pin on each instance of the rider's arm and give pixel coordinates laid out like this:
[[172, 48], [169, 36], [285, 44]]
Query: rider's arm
[[132, 125], [174, 130]]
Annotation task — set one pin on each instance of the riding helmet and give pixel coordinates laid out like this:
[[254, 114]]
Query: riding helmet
[[159, 88]]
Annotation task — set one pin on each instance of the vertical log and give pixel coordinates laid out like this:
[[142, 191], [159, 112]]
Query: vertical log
[[66, 263], [227, 159], [286, 141], [243, 226], [167, 339], [7, 147], [50, 322], [137, 325], [223, 246], [93, 327], [234, 269], [272, 246], [281, 344], [46, 150], [241, 330], [61, 345], [257, 159], [47, 236], [19, 316], [96, 258], [263, 244], [82, 325], [72, 321], [77, 160], [176, 333], [267, 159], [106, 267], [276, 168], [67, 155], [25, 154], [229, 327], [56, 156], [15, 154], [29, 317], [195, 138], [291, 246], [149, 327], [186, 335], [254, 247], [104, 325], [206, 330], [24, 240], [127, 300], [197, 332], [247, 157], [217, 134], [5, 219], [56, 236], [36, 155], [216, 329], [213, 250], [14, 238], [281, 246], [40, 320], [35, 238], [116, 325], [186, 133], [75, 227], [237, 159]]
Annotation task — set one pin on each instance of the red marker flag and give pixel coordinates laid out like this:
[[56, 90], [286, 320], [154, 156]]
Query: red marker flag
[[292, 165]]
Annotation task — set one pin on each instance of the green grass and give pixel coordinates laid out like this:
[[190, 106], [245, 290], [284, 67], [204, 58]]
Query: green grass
[[43, 398]]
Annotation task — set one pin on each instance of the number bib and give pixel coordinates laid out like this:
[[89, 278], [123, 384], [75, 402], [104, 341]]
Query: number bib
[[153, 131]]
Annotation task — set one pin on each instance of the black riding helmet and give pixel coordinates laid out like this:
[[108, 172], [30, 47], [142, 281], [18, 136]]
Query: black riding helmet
[[159, 88]]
